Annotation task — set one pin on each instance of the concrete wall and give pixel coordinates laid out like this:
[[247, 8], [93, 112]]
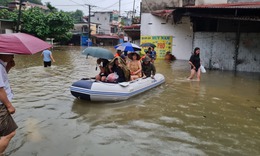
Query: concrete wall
[[182, 34], [249, 52], [218, 50]]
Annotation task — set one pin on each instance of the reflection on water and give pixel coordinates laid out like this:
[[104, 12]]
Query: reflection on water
[[217, 116]]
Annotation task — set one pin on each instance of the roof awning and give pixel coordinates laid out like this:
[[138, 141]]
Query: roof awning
[[105, 36]]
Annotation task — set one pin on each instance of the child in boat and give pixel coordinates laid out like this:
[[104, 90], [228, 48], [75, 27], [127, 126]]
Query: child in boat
[[103, 66], [148, 68]]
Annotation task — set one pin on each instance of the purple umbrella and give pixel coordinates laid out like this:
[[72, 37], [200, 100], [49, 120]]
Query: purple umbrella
[[21, 43]]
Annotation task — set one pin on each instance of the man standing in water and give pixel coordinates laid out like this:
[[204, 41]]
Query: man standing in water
[[7, 124], [47, 57]]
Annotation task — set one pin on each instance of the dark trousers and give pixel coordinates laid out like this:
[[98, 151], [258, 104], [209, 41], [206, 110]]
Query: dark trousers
[[47, 64]]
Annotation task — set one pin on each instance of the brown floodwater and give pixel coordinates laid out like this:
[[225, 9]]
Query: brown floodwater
[[218, 116]]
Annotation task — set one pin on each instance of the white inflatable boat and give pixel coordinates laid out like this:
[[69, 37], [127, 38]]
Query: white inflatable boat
[[100, 91]]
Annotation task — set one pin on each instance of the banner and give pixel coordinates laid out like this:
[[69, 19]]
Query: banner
[[163, 44]]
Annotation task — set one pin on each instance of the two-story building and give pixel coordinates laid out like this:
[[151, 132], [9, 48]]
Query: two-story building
[[108, 21], [107, 30]]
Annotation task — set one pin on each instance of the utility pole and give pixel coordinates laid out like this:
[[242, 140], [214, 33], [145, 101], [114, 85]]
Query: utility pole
[[133, 12], [19, 16], [89, 24], [89, 20], [119, 8]]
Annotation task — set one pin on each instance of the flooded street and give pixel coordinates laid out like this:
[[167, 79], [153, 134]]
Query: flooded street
[[218, 116]]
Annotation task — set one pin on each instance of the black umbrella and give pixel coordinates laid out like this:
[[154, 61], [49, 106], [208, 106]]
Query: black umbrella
[[148, 45]]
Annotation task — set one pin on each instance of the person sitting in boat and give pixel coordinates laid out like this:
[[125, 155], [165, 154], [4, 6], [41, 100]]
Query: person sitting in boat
[[103, 66], [118, 71], [148, 68], [134, 65], [118, 53]]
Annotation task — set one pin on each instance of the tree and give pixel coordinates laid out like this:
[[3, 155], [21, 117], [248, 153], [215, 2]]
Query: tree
[[4, 2], [76, 16], [5, 14], [36, 1], [50, 7], [34, 22], [47, 25], [60, 24]]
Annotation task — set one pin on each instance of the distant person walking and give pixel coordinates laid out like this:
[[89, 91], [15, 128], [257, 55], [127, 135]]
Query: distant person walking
[[195, 64], [7, 124], [153, 54], [47, 57]]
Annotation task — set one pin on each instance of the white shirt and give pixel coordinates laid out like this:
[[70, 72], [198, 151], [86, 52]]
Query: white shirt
[[4, 82]]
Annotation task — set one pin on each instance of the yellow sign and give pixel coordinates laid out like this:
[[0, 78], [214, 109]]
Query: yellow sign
[[163, 44]]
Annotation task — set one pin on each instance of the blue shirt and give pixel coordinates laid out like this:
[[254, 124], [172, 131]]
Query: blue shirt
[[4, 81], [46, 55], [153, 54]]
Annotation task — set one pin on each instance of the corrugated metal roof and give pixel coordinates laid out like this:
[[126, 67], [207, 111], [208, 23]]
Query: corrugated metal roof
[[245, 5]]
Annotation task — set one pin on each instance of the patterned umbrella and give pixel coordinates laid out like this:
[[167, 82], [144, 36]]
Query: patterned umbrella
[[148, 45], [128, 47]]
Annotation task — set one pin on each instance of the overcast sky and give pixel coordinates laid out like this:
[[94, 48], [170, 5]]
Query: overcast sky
[[99, 5]]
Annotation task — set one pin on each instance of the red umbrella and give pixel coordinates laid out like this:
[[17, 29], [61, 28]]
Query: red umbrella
[[21, 43]]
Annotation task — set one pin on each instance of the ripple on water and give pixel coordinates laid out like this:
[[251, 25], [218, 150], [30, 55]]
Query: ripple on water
[[171, 120]]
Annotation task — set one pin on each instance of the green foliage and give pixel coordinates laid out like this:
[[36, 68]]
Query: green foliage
[[60, 23], [54, 24], [76, 16], [50, 7], [36, 1], [5, 14], [34, 22], [4, 2], [51, 25]]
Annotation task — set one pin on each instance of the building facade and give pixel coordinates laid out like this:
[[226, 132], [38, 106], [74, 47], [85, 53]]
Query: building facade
[[108, 21], [227, 33]]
